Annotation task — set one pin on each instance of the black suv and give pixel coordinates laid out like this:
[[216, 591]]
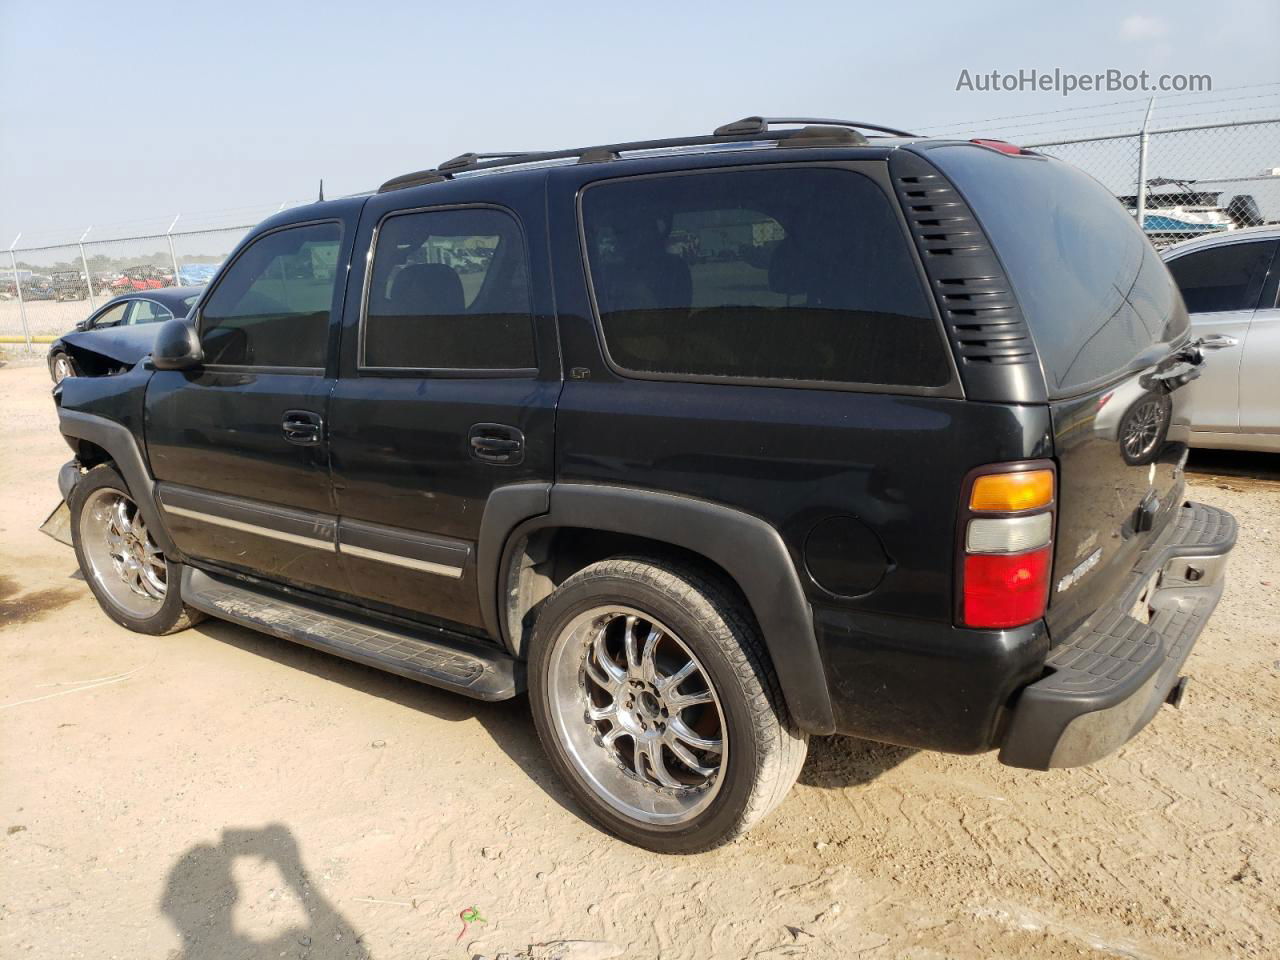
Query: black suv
[[710, 443]]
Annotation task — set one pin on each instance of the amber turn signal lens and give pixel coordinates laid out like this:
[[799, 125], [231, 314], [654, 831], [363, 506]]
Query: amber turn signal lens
[[1012, 491]]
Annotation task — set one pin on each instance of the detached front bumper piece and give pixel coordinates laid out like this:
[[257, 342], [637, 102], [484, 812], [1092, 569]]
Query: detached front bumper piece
[[58, 523], [1110, 677]]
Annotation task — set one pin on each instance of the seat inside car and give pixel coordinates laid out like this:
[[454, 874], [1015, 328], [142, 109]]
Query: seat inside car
[[425, 289]]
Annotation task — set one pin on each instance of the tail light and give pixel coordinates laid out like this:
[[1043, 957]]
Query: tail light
[[1006, 544]]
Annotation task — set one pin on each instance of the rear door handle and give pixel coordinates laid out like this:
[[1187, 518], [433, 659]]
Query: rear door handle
[[496, 443], [302, 427]]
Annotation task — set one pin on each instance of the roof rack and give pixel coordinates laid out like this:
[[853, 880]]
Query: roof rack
[[464, 160], [815, 132], [757, 125]]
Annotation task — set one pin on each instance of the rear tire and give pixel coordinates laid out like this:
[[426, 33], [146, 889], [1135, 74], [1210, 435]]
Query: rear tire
[[134, 583], [654, 696]]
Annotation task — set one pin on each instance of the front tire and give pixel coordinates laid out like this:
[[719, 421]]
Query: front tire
[[654, 696], [134, 583], [63, 367]]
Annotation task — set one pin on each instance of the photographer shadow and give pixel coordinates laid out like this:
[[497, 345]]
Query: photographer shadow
[[201, 895]]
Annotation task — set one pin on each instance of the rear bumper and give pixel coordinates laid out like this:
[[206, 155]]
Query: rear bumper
[[1111, 675]]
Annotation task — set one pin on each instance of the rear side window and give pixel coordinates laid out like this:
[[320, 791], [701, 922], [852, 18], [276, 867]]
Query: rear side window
[[1223, 278], [796, 274], [449, 290], [271, 308], [1093, 290], [147, 311]]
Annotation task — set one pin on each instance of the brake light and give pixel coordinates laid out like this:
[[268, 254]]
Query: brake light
[[1005, 590], [1007, 536], [1001, 145]]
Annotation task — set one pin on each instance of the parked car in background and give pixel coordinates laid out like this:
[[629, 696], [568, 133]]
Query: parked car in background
[[141, 278], [38, 287], [1231, 285], [118, 334], [196, 274], [69, 285]]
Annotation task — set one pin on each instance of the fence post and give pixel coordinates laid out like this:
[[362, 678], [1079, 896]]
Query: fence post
[[17, 285], [1144, 140], [173, 254], [84, 262]]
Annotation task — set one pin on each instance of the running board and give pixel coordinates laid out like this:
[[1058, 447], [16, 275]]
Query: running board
[[461, 667]]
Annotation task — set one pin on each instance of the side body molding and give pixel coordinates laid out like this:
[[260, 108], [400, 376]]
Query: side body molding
[[119, 442], [748, 549]]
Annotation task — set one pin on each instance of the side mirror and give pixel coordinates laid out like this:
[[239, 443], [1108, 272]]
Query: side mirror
[[177, 347]]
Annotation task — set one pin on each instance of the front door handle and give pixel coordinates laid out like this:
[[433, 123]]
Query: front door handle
[[302, 427], [496, 443]]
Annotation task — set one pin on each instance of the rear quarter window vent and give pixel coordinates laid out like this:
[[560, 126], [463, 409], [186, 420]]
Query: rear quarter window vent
[[988, 333]]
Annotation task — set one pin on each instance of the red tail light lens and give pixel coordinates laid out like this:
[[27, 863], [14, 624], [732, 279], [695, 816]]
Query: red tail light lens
[[1005, 590]]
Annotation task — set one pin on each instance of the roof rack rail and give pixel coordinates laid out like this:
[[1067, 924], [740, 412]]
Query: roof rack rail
[[464, 160], [746, 130], [757, 125]]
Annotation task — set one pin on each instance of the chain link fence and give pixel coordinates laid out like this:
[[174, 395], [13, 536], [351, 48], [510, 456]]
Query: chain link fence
[[1186, 181], [1182, 182], [47, 290]]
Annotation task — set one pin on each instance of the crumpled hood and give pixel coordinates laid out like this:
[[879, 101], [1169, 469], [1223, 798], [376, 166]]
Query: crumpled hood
[[125, 345]]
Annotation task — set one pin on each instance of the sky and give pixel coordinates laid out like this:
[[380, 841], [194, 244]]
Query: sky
[[122, 115]]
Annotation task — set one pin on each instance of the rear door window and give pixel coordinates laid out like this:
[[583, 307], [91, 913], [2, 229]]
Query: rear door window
[[147, 311], [272, 306], [784, 274], [1224, 278], [1093, 290], [449, 291]]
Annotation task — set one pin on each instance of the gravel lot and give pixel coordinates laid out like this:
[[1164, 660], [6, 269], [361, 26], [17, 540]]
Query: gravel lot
[[222, 794]]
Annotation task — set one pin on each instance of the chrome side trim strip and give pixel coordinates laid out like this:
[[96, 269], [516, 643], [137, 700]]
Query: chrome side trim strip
[[441, 569], [250, 528]]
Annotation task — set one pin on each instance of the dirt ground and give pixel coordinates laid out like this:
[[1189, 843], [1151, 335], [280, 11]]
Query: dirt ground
[[222, 794]]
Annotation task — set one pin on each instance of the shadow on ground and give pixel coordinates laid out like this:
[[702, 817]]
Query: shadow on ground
[[201, 895], [836, 762], [1244, 465]]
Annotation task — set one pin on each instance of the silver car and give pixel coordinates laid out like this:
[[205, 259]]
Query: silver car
[[1229, 282]]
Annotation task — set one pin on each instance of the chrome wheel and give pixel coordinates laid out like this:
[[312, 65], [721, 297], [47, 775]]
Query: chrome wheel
[[123, 560], [1142, 430], [62, 368], [637, 715]]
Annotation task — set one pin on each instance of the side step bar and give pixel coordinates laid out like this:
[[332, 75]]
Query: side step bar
[[461, 667]]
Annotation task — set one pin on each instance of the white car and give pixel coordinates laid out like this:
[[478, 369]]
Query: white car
[[1229, 282]]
